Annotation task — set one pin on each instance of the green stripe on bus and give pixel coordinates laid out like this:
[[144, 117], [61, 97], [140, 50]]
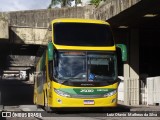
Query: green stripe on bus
[[87, 91]]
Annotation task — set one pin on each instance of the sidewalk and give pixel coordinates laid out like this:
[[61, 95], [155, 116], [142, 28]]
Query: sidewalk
[[140, 107], [145, 108]]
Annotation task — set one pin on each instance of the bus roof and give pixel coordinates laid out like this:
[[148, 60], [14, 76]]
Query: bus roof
[[78, 20]]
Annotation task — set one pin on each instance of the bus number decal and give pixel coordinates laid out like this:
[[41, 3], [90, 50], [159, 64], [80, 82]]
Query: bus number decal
[[85, 90]]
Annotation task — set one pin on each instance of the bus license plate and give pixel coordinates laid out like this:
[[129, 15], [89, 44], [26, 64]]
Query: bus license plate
[[88, 102]]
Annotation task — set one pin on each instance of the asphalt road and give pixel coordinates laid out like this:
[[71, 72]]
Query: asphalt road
[[17, 96], [95, 114]]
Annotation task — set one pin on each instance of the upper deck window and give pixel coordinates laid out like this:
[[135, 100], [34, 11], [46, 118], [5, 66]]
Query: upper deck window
[[82, 34]]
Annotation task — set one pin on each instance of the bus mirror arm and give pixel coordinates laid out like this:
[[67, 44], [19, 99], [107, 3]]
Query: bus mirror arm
[[122, 49], [50, 51]]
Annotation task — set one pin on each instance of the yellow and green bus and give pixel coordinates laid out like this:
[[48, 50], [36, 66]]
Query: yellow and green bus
[[78, 66]]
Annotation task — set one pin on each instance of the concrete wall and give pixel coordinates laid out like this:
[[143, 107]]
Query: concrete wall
[[42, 18], [4, 34], [30, 27], [26, 35]]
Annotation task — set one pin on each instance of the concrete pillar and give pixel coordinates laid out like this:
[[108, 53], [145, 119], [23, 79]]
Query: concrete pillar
[[31, 76], [134, 54], [131, 70], [126, 88], [134, 66]]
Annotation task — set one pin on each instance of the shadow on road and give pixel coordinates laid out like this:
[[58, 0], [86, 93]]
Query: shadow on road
[[87, 112], [119, 108], [15, 92]]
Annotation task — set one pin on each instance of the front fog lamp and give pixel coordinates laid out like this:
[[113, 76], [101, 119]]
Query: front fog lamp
[[110, 93], [61, 93]]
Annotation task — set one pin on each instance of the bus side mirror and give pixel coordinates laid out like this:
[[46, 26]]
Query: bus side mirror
[[50, 51], [123, 50]]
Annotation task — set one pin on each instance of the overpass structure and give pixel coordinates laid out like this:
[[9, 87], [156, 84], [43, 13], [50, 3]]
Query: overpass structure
[[134, 22], [23, 31], [29, 27]]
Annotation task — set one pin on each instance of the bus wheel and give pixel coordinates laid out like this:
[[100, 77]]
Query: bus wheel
[[46, 107]]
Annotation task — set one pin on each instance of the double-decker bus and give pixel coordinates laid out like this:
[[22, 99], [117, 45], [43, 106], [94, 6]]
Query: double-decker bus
[[78, 67]]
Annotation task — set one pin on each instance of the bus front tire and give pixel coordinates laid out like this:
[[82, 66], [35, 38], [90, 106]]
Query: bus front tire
[[46, 107]]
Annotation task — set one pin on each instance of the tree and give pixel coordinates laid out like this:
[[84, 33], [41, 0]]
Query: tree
[[96, 2], [64, 3], [53, 3], [77, 2]]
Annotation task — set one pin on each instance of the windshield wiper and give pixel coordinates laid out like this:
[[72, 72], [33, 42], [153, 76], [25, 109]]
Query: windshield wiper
[[70, 79], [104, 78], [63, 80], [77, 78]]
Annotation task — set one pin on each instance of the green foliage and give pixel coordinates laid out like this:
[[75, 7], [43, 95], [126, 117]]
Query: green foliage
[[95, 2], [77, 2], [63, 3], [53, 3]]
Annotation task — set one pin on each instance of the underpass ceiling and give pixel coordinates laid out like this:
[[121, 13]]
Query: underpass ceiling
[[22, 55], [149, 30], [134, 16], [23, 49], [17, 56]]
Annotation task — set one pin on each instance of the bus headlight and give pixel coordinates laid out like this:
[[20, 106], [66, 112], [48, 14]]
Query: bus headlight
[[110, 93], [61, 93]]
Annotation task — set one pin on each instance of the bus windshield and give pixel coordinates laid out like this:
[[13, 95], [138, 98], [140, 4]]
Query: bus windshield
[[82, 34], [86, 66]]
